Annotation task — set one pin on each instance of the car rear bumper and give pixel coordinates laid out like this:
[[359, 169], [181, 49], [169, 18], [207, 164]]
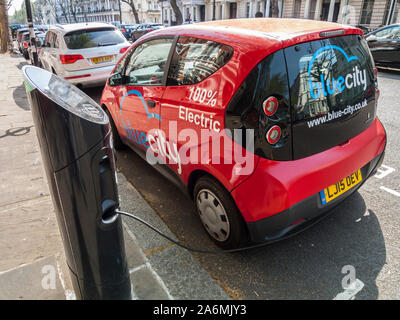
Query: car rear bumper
[[88, 77], [304, 213], [282, 196]]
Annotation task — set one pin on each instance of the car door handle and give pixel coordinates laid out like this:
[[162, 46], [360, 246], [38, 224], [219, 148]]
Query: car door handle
[[151, 103]]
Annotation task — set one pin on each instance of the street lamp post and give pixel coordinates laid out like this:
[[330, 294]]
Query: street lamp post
[[31, 31]]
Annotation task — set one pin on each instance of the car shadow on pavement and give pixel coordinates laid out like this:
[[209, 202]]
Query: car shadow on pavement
[[21, 64], [307, 266], [20, 98]]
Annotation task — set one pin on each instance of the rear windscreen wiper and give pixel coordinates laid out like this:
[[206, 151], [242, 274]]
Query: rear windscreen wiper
[[106, 44]]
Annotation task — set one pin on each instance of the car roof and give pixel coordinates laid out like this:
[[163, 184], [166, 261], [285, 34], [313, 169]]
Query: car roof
[[258, 30], [65, 28]]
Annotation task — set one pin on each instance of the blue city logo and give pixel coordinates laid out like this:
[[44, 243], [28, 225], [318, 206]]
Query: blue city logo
[[135, 92], [329, 86], [137, 136]]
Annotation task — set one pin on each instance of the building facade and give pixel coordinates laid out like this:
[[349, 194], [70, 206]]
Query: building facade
[[369, 13]]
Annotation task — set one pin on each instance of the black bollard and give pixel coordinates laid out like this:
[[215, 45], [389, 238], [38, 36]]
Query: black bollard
[[75, 141]]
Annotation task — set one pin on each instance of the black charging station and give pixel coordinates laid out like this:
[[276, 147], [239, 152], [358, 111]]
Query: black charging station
[[75, 141]]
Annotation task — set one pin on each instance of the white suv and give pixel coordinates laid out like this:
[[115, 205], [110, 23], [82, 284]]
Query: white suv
[[83, 53]]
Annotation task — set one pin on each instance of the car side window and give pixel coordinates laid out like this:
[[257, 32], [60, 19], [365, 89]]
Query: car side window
[[196, 59], [147, 64], [54, 42], [50, 39], [388, 34]]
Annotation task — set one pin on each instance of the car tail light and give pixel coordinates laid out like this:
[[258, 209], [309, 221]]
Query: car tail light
[[274, 134], [123, 50], [123, 30], [270, 106], [151, 30], [25, 44], [70, 58]]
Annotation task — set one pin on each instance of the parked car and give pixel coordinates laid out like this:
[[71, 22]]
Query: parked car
[[142, 29], [83, 53], [306, 100], [362, 27], [26, 42], [14, 28], [384, 44], [39, 39], [19, 37], [127, 29]]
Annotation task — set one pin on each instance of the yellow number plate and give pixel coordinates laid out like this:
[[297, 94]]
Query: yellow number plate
[[340, 187], [102, 59]]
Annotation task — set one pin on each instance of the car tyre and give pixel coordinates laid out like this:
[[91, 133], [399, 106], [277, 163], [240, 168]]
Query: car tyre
[[116, 139], [218, 213]]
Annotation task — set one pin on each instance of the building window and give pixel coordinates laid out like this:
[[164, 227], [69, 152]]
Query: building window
[[313, 7], [387, 9], [248, 10], [387, 12], [366, 11], [296, 9]]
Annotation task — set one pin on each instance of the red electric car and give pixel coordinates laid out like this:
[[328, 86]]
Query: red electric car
[[305, 92]]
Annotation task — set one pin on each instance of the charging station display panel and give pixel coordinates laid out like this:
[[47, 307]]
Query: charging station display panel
[[65, 94]]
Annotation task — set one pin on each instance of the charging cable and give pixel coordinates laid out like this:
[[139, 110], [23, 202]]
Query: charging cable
[[259, 245]]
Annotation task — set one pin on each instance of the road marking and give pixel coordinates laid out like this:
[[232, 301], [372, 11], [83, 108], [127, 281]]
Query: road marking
[[397, 194], [383, 171], [351, 291]]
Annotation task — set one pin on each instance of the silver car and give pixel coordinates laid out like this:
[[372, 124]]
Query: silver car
[[82, 53]]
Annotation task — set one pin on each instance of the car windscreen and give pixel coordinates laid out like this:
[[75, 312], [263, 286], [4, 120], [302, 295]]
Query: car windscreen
[[82, 39]]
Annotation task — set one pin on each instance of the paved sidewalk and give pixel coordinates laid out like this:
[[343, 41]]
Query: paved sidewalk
[[31, 250]]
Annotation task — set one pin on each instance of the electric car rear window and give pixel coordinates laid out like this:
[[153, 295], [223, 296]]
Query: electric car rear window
[[101, 37], [332, 92], [196, 59], [328, 75]]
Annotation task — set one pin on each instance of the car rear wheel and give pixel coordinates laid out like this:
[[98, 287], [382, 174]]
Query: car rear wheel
[[116, 139], [219, 215]]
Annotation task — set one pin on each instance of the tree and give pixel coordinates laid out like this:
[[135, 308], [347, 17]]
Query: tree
[[4, 29], [71, 5], [64, 9], [52, 4], [83, 5], [177, 11], [131, 3], [37, 13]]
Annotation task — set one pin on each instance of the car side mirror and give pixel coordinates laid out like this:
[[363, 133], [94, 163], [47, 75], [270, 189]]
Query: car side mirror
[[117, 79], [371, 38]]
